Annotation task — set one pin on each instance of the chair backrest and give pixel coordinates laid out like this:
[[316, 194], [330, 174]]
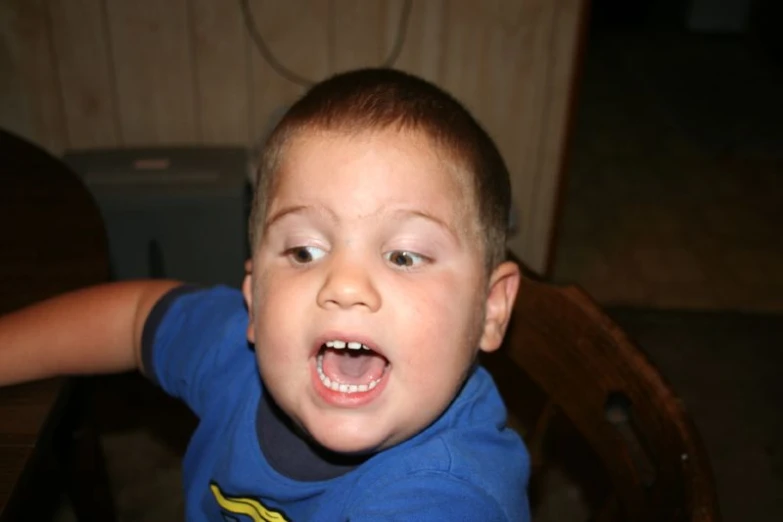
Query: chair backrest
[[53, 239], [592, 404]]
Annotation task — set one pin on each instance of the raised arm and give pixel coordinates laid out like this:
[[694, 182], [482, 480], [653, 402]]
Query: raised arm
[[95, 330]]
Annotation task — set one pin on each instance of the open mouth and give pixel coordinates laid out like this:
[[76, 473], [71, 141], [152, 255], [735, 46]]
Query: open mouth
[[350, 366]]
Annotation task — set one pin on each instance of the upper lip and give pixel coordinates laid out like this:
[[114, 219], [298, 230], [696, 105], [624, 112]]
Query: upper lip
[[347, 337]]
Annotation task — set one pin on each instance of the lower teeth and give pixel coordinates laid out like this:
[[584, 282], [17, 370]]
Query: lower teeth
[[343, 388]]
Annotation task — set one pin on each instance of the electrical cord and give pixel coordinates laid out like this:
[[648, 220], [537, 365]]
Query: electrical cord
[[290, 75]]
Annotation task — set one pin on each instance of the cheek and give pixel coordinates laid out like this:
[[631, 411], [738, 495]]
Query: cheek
[[444, 315], [274, 319], [274, 294]]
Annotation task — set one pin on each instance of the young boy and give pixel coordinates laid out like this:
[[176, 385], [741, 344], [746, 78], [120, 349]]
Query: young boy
[[378, 273]]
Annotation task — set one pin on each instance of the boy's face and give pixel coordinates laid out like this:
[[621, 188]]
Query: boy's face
[[368, 294]]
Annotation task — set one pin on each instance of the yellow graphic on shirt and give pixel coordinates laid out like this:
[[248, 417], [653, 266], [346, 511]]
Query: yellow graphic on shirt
[[249, 507]]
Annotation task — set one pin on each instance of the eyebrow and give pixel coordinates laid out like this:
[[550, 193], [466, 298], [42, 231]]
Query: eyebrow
[[409, 213], [332, 216], [299, 209]]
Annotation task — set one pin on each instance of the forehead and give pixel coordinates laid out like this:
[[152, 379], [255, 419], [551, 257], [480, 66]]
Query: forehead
[[371, 168]]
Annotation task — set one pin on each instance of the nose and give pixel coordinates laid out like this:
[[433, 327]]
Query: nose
[[348, 284]]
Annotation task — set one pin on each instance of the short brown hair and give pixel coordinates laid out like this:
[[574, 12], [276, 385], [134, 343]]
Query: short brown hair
[[375, 99]]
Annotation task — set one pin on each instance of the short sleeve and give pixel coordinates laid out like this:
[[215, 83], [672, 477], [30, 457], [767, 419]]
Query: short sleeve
[[429, 496], [190, 336]]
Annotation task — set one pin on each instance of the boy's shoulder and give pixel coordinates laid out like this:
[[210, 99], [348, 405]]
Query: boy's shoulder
[[194, 342], [193, 305], [192, 310]]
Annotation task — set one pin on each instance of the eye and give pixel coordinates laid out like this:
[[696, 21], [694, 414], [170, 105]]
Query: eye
[[303, 255], [404, 259]]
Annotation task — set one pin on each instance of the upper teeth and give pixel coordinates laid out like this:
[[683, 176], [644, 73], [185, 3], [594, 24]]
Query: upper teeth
[[339, 345]]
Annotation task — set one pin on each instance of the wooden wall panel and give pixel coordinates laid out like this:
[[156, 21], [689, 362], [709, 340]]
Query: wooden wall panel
[[296, 33], [490, 67], [360, 32], [27, 34], [464, 37], [153, 61], [14, 110], [565, 40], [86, 74], [541, 110], [423, 49], [95, 73], [221, 57], [521, 134]]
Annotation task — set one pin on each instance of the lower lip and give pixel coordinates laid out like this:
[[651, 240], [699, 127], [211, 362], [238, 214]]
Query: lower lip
[[347, 400]]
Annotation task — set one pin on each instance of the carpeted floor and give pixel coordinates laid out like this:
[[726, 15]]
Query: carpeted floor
[[674, 190], [726, 367]]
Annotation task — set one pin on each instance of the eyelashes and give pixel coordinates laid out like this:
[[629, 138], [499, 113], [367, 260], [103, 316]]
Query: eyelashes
[[401, 259], [405, 258], [303, 255]]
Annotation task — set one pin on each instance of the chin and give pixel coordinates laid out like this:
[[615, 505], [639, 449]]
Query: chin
[[350, 443]]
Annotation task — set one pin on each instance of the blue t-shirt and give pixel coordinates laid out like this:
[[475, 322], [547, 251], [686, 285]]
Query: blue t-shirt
[[467, 465]]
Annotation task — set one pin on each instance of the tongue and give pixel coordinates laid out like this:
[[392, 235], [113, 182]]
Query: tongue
[[353, 366]]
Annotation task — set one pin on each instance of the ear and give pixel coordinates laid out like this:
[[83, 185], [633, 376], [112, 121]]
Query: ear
[[247, 291], [503, 286]]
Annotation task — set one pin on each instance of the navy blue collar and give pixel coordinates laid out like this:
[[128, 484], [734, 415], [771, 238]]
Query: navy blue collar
[[292, 453]]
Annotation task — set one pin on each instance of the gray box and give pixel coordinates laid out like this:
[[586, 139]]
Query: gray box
[[176, 213]]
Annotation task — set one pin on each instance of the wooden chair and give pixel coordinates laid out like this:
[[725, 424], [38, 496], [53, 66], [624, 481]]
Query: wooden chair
[[592, 405], [53, 241]]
